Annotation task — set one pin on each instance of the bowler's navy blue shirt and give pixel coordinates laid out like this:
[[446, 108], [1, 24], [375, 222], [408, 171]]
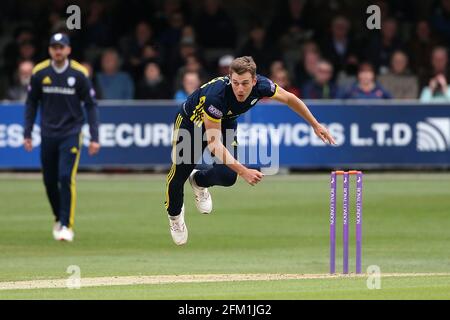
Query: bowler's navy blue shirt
[[60, 97], [217, 100]]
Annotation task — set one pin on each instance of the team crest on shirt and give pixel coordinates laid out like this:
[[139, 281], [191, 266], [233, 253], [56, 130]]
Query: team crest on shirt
[[71, 81], [254, 101]]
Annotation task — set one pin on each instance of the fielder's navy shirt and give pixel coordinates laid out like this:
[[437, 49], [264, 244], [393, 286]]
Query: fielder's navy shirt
[[61, 95]]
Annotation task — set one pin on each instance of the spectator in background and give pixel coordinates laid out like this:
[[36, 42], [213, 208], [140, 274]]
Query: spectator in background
[[170, 37], [153, 85], [223, 66], [439, 61], [55, 21], [381, 47], [438, 90], [164, 11], [139, 48], [290, 26], [281, 78], [439, 64], [399, 81], [190, 83], [188, 44], [188, 33], [440, 20], [339, 48], [27, 51], [305, 69], [187, 47], [276, 65], [96, 30], [19, 90], [150, 52], [192, 64], [421, 46], [215, 29], [111, 82], [366, 87], [257, 46], [321, 87], [11, 50]]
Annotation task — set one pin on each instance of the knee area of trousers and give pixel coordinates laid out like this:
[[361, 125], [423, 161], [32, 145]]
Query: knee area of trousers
[[229, 179], [50, 183], [65, 179]]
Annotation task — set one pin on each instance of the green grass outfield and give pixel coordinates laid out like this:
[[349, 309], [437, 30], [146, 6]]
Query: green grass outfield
[[277, 227]]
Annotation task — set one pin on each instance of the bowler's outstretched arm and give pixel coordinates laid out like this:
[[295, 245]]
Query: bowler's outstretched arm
[[300, 108]]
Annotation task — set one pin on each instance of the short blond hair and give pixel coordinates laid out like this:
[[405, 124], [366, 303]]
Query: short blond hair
[[242, 65]]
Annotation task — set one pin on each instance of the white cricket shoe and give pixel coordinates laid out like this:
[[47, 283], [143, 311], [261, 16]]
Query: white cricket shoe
[[203, 200], [56, 229], [65, 234], [178, 228]]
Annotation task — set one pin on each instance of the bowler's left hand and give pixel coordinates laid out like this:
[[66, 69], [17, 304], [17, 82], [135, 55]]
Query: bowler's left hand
[[94, 147], [323, 134]]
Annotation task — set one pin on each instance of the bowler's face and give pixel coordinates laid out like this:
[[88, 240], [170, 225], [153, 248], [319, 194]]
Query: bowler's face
[[242, 85]]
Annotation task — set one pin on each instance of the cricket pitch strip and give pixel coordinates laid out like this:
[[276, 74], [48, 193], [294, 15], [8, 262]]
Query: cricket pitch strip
[[199, 278]]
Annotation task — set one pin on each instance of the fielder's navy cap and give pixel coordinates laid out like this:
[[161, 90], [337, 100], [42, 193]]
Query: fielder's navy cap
[[60, 38]]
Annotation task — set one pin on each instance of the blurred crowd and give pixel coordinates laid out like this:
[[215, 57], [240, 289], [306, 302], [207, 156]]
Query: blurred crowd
[[166, 49]]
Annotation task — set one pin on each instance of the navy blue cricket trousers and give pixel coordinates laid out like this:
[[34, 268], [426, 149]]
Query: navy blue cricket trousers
[[60, 157], [187, 138]]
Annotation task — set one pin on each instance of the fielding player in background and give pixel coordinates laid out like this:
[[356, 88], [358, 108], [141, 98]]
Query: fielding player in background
[[59, 86], [213, 109]]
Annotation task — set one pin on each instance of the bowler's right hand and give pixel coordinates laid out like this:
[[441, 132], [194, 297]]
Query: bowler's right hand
[[28, 144], [252, 176]]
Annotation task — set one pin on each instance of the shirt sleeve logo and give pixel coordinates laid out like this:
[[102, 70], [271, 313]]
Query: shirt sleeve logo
[[272, 86], [215, 112], [71, 81]]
